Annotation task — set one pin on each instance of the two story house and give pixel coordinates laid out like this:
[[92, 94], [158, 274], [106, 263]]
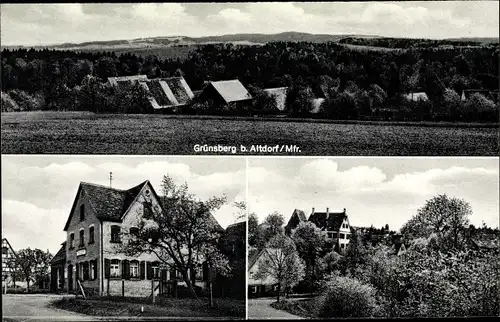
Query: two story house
[[334, 225], [100, 221]]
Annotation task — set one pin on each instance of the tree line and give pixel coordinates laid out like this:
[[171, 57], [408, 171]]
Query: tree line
[[357, 83], [442, 272]]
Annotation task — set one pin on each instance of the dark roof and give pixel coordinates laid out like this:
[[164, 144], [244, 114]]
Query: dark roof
[[108, 203], [231, 90], [180, 89], [237, 229], [60, 256], [332, 221], [301, 214], [253, 256]]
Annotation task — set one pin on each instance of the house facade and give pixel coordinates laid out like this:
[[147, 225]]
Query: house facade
[[259, 286], [224, 93], [335, 226], [8, 264], [93, 257]]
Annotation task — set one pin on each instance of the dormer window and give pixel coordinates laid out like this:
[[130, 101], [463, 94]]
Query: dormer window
[[82, 212], [71, 241]]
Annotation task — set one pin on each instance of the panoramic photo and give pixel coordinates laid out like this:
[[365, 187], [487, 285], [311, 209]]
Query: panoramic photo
[[373, 237], [87, 238], [346, 78]]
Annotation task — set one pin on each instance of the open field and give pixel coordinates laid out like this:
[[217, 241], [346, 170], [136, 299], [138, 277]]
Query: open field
[[88, 133]]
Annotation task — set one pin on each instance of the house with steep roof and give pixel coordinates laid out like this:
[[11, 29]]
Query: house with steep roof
[[100, 221], [165, 93], [334, 225], [9, 268], [223, 93], [259, 286]]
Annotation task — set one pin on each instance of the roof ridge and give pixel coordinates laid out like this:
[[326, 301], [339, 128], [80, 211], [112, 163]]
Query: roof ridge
[[102, 186]]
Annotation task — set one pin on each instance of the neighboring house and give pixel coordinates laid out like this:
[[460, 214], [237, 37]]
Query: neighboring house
[[259, 287], [334, 225], [9, 269], [226, 92], [99, 223], [489, 94], [57, 270], [279, 95], [166, 93], [480, 239], [233, 246], [416, 97]]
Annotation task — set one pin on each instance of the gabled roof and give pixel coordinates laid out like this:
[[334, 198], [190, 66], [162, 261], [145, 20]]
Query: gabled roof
[[127, 79], [181, 90], [280, 95], [237, 229], [330, 221], [5, 243], [109, 204], [231, 90], [60, 256]]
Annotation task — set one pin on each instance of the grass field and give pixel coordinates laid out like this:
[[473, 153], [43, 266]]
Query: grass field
[[170, 308], [87, 133]]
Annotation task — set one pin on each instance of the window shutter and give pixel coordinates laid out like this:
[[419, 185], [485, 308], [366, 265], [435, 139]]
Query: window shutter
[[95, 269], [107, 268], [126, 269], [149, 266], [142, 270]]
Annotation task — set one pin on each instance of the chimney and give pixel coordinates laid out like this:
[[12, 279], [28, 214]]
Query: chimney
[[312, 211], [344, 210]]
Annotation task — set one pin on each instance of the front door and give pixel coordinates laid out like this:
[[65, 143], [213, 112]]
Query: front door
[[70, 278]]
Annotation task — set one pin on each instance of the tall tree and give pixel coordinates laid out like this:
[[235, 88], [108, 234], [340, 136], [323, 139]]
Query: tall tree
[[33, 264], [441, 215], [282, 263], [309, 242], [182, 232]]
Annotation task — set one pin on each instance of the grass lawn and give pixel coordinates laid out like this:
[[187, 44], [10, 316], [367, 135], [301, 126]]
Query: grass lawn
[[164, 307], [88, 133]]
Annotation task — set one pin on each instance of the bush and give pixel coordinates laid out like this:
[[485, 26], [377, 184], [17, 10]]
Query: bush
[[347, 297], [25, 101]]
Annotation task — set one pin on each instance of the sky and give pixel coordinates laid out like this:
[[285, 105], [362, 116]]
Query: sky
[[374, 191], [38, 191], [36, 24]]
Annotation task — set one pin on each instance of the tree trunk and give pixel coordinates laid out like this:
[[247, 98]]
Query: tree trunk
[[28, 284], [279, 291], [189, 285]]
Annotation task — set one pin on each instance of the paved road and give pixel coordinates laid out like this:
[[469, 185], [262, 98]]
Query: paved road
[[27, 307], [261, 309]]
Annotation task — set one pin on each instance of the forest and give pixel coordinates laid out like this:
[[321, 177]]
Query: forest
[[356, 83]]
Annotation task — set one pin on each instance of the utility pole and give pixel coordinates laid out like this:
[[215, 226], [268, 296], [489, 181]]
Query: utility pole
[[110, 179]]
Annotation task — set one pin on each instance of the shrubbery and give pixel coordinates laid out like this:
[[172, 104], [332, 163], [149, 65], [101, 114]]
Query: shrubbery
[[347, 297]]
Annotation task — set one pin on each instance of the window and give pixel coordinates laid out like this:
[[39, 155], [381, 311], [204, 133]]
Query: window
[[342, 246], [82, 212], [71, 241], [330, 235], [82, 238], [91, 235], [5, 250], [156, 270], [134, 232], [134, 269], [115, 268], [115, 234], [147, 209], [92, 269], [342, 236]]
